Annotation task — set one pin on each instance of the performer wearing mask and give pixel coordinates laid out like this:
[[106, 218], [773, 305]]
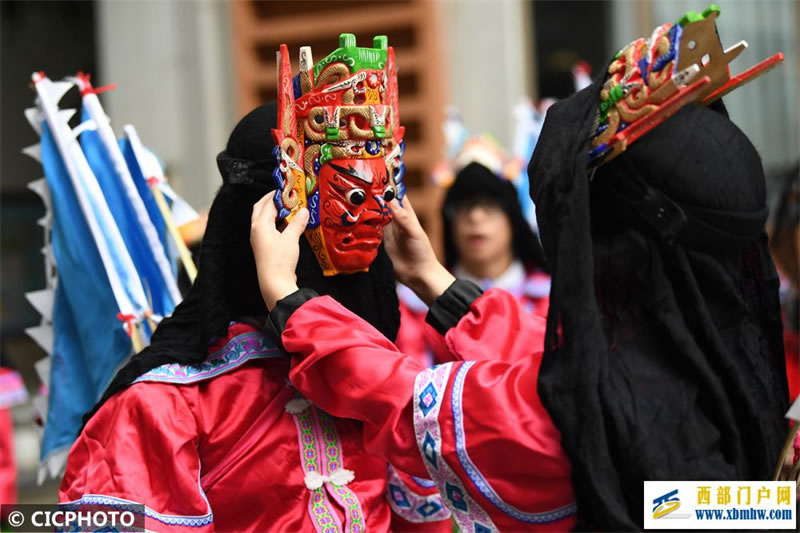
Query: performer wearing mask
[[663, 356], [203, 427]]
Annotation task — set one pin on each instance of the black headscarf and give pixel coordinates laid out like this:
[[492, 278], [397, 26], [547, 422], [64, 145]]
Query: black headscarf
[[476, 181], [669, 365], [226, 287]]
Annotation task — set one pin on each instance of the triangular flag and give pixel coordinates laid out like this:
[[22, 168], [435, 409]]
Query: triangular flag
[[45, 221], [43, 335], [39, 187], [42, 301], [56, 463], [34, 151], [34, 116], [47, 252]]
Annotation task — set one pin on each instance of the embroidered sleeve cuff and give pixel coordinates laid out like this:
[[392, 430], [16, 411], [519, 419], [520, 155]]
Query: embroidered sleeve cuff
[[279, 316], [452, 305]]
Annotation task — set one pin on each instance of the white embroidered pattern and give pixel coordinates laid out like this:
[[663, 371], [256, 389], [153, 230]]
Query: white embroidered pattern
[[429, 390], [412, 506]]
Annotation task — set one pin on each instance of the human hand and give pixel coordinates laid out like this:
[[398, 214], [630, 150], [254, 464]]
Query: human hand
[[276, 252], [415, 263]]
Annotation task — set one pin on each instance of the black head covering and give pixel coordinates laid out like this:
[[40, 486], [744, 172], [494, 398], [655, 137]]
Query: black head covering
[[226, 287], [670, 361], [476, 181]]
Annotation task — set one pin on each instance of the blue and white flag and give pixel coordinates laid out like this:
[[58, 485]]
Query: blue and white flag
[[89, 341], [109, 277]]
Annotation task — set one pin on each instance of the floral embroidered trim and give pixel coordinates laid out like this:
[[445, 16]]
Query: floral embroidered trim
[[323, 517], [333, 466], [429, 390], [237, 351], [474, 473], [412, 506], [128, 505]]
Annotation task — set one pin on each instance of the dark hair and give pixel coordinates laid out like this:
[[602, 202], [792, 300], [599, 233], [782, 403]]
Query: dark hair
[[475, 182]]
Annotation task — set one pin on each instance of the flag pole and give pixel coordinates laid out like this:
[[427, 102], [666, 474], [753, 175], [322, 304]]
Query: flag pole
[[136, 338], [153, 175], [183, 250]]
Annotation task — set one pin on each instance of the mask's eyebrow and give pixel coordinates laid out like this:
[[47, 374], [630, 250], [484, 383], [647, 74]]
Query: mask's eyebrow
[[350, 171]]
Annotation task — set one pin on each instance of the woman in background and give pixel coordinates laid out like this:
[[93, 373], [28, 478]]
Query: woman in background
[[486, 240]]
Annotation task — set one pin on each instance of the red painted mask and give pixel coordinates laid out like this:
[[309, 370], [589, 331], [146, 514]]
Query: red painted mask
[[354, 194], [339, 147]]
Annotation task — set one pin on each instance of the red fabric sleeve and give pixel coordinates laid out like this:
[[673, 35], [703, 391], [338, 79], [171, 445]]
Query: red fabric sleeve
[[352, 371], [502, 445], [497, 328], [438, 346], [132, 451]]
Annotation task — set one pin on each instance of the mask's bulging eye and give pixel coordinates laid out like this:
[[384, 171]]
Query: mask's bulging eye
[[389, 194], [356, 196]]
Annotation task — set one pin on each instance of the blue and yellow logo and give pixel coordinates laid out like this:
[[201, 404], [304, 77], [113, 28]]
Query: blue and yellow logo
[[665, 504]]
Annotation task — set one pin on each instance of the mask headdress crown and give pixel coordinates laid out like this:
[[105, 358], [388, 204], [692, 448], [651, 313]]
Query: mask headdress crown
[[651, 79], [345, 107]]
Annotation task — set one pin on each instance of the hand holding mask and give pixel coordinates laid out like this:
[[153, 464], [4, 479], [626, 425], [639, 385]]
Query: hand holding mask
[[276, 252]]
